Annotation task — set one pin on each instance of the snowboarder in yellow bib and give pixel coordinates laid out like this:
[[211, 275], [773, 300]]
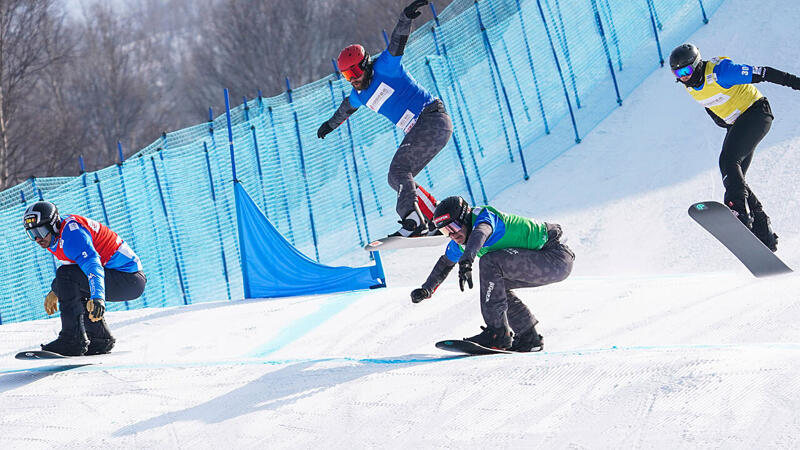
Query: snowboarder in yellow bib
[[725, 89]]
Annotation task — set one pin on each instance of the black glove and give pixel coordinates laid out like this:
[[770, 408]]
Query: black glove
[[420, 294], [324, 129], [464, 274], [411, 10], [96, 308]]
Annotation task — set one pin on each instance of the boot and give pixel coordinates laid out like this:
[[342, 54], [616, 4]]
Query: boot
[[762, 229], [68, 345], [739, 209], [412, 225], [100, 339], [528, 341], [100, 346], [492, 338]]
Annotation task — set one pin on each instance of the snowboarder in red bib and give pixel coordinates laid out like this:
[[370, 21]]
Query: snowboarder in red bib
[[515, 252], [98, 266], [384, 86], [726, 91]]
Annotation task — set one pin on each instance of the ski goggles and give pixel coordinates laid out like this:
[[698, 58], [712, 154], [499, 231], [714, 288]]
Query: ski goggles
[[451, 228], [352, 72], [683, 71], [39, 232]]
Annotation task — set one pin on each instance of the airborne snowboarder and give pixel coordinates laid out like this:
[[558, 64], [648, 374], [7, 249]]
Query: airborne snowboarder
[[384, 86], [726, 91]]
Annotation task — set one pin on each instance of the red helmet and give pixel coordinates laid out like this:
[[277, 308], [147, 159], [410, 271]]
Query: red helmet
[[352, 61]]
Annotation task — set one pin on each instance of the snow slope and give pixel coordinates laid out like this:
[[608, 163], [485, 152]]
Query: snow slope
[[659, 339]]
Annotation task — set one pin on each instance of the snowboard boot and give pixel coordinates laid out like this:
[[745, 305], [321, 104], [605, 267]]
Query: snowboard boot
[[739, 209], [762, 229], [412, 225], [100, 346], [68, 345], [100, 339], [499, 338], [528, 341]]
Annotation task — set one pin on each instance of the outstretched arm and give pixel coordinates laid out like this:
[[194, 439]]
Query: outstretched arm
[[775, 76], [397, 43], [343, 112], [440, 271]]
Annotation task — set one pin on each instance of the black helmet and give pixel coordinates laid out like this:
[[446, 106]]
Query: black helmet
[[451, 209], [40, 219], [683, 56]]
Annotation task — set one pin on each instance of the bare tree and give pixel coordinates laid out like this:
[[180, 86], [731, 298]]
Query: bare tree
[[246, 46], [112, 86], [27, 28]]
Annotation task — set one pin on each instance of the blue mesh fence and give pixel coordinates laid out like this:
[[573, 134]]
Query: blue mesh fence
[[523, 80]]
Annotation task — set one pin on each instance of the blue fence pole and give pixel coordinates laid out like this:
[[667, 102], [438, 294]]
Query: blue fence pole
[[651, 9], [511, 66], [124, 190], [230, 135], [614, 36], [488, 46], [525, 39], [602, 32], [305, 174], [349, 180], [351, 134], [257, 156], [169, 230], [560, 73], [562, 39], [219, 225], [703, 10], [458, 92], [102, 201], [282, 182], [39, 267], [458, 150]]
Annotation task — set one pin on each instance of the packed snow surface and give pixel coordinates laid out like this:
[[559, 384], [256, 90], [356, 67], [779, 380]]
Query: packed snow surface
[[659, 339]]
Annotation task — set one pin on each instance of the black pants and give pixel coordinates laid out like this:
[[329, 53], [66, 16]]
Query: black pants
[[737, 152], [72, 288]]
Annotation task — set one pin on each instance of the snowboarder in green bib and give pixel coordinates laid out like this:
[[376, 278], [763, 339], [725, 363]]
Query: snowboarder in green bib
[[515, 252]]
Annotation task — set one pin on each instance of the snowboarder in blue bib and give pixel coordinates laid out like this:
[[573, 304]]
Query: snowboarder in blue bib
[[726, 91], [384, 86], [514, 251]]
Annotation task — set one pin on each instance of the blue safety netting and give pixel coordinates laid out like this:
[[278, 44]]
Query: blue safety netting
[[522, 80]]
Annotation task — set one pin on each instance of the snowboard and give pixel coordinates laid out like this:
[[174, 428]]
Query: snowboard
[[44, 354], [718, 220], [468, 347], [399, 242], [39, 354]]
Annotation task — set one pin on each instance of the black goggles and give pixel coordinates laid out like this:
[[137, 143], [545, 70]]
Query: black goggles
[[39, 232]]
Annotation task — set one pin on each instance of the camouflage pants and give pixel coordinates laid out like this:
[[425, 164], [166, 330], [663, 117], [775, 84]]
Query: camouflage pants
[[502, 271], [425, 140]]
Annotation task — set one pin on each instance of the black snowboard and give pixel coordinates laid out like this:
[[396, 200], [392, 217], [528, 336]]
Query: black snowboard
[[468, 347], [39, 354], [718, 220]]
